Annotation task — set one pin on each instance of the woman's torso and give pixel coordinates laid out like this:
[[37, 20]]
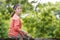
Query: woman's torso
[[15, 25]]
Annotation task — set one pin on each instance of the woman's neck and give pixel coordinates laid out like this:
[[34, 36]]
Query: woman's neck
[[17, 14]]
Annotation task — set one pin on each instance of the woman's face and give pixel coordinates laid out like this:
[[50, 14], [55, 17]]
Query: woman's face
[[18, 10]]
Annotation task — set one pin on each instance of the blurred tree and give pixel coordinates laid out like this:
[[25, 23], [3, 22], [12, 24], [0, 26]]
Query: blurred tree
[[43, 23], [40, 23]]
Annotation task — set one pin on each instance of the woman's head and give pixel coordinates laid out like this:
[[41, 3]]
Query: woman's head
[[17, 9]]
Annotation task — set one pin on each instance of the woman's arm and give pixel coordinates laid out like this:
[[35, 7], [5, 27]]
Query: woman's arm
[[17, 25]]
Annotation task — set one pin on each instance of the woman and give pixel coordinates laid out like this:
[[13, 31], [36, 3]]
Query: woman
[[15, 30]]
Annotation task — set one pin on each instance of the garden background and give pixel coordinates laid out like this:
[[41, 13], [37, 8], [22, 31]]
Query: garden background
[[40, 20]]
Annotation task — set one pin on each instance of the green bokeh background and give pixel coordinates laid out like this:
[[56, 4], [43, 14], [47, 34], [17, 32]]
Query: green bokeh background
[[40, 23]]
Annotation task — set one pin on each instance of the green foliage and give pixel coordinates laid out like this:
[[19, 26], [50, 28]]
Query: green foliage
[[3, 26], [44, 23], [40, 23]]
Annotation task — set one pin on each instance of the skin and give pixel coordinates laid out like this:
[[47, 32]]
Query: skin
[[18, 10]]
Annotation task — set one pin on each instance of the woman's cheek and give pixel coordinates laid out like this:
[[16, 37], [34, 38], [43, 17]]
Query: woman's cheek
[[17, 11]]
